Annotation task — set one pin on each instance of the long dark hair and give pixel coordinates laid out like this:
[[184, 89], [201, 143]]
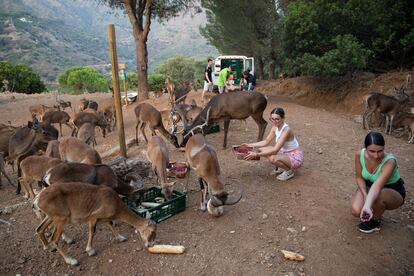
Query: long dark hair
[[279, 111], [375, 138]]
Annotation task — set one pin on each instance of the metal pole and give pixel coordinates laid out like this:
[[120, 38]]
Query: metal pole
[[117, 94]]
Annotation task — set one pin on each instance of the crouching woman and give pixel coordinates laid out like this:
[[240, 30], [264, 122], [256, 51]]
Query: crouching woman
[[286, 154], [380, 186]]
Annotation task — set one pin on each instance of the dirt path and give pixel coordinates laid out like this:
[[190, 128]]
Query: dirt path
[[309, 214]]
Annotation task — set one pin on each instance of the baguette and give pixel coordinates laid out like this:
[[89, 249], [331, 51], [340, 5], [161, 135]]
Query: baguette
[[292, 256], [166, 249]]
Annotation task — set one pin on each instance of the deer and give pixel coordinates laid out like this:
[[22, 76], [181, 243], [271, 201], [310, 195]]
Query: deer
[[84, 104], [86, 133], [57, 117], [93, 174], [405, 120], [52, 149], [157, 154], [39, 110], [225, 107], [95, 119], [63, 104], [146, 114], [203, 159], [387, 105], [107, 107], [34, 168], [64, 203], [6, 131], [72, 149], [28, 140]]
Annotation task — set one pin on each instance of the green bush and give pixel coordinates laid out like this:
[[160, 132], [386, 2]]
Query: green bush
[[156, 82], [83, 79], [179, 69], [20, 78], [132, 80]]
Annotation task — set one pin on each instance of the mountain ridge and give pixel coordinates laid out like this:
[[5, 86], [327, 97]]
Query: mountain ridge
[[51, 36]]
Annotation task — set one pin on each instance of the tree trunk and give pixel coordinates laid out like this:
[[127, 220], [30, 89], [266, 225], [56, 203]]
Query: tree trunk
[[142, 69], [260, 68], [140, 30], [272, 67]]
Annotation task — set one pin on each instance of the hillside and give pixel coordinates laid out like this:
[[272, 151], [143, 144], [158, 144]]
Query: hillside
[[51, 35]]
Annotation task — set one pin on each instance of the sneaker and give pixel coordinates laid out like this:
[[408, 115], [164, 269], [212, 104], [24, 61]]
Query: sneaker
[[277, 171], [369, 226], [286, 175]]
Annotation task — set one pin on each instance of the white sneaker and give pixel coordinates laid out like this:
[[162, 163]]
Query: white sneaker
[[286, 175], [277, 171]]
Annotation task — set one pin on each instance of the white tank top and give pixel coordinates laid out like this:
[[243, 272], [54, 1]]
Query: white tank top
[[288, 145]]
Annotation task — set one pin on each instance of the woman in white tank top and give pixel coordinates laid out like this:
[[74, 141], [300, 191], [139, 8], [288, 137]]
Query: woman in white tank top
[[286, 154]]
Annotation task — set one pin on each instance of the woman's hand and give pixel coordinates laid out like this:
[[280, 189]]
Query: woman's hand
[[366, 214], [251, 155]]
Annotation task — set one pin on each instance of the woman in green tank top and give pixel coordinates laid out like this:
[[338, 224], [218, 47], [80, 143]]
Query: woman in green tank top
[[380, 186]]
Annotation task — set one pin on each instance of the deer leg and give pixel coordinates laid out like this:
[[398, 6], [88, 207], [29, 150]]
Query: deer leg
[[136, 132], [55, 242], [261, 123], [118, 236], [391, 119], [60, 128], [367, 117], [3, 170], [203, 205], [19, 174], [92, 229], [226, 131], [387, 121], [40, 231], [143, 132]]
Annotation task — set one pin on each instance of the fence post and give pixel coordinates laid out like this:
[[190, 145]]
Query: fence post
[[117, 95]]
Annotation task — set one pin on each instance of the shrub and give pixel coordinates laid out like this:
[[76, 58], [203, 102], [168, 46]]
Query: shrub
[[83, 79], [20, 78]]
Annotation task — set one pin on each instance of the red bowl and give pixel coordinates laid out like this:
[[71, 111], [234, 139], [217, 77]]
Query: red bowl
[[242, 151], [179, 170]]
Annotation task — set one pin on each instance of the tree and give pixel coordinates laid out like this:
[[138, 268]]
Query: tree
[[140, 14], [179, 69], [245, 27], [334, 37], [20, 78], [83, 79]]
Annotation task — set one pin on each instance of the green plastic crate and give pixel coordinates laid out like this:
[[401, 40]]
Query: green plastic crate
[[174, 205], [213, 129]]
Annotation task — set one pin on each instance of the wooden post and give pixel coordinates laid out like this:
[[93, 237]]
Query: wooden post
[[126, 94], [117, 94]]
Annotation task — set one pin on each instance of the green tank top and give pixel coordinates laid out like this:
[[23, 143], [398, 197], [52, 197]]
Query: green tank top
[[372, 177]]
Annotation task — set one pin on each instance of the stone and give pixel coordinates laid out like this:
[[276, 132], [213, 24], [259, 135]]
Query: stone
[[265, 216]]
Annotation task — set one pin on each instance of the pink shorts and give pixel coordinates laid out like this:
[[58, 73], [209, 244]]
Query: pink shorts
[[296, 158]]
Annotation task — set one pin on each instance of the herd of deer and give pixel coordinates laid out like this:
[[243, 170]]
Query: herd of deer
[[80, 189], [396, 110]]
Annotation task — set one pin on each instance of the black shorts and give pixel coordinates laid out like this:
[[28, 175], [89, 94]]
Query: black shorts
[[397, 186]]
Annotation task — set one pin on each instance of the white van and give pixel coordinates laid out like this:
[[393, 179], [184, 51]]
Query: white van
[[238, 65]]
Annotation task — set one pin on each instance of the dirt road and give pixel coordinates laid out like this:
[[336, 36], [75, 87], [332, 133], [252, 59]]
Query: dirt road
[[309, 214]]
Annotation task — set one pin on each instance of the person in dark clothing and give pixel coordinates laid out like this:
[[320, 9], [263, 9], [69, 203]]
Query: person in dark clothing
[[249, 81], [208, 81]]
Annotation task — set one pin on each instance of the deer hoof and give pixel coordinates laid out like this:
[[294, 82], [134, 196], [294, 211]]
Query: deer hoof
[[91, 252], [203, 207], [69, 240], [121, 238], [50, 247], [72, 261]]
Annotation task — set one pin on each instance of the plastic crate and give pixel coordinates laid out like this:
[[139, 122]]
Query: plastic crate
[[213, 129], [172, 206]]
